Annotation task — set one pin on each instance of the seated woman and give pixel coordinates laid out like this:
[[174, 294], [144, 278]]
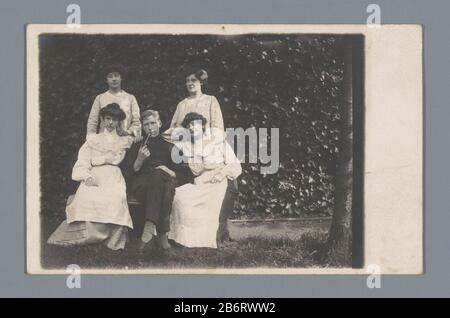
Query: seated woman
[[196, 206], [99, 210]]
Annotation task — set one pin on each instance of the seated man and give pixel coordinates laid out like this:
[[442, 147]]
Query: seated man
[[152, 180]]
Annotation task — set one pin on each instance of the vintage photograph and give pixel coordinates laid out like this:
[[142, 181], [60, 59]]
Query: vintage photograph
[[202, 150]]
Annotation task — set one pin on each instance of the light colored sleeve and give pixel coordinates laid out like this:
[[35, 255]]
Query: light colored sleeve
[[92, 122], [113, 157], [82, 168], [119, 155], [232, 167], [216, 114], [176, 120], [116, 157], [135, 125], [228, 165], [196, 168], [110, 157]]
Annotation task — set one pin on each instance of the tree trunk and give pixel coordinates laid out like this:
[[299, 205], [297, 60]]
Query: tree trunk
[[340, 237]]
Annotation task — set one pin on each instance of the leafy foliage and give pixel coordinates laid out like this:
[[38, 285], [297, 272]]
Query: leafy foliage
[[292, 82]]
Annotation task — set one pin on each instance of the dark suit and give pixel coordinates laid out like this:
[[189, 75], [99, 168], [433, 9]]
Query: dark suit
[[154, 187]]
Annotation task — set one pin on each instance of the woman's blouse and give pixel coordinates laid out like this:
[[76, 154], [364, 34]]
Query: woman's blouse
[[212, 158], [206, 105], [100, 149]]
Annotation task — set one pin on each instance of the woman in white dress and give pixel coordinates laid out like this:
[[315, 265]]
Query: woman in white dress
[[197, 102], [99, 210], [196, 207]]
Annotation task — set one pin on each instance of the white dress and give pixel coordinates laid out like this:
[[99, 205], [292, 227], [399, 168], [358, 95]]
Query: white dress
[[196, 207], [98, 213]]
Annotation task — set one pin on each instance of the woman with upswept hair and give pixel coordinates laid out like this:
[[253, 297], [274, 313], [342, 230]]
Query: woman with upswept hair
[[99, 210], [199, 102]]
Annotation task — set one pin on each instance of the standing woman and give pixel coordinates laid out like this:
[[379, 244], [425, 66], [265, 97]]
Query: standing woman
[[198, 102], [131, 125]]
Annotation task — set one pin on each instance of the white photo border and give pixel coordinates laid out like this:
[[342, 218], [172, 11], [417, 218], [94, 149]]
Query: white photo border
[[393, 156]]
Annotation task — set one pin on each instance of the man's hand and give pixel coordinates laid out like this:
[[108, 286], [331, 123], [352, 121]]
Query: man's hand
[[167, 170], [91, 182], [143, 154]]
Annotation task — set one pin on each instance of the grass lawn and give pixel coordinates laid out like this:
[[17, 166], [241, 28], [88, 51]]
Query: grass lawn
[[307, 251]]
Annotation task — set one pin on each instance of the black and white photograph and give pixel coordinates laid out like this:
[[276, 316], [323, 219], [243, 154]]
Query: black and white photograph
[[214, 149]]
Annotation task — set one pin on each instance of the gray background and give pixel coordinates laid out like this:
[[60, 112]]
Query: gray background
[[14, 15]]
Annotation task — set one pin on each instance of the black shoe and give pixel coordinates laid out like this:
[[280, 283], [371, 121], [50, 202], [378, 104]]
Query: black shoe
[[144, 248], [163, 242], [224, 237]]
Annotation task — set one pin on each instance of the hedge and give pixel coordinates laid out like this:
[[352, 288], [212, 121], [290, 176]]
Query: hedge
[[292, 82]]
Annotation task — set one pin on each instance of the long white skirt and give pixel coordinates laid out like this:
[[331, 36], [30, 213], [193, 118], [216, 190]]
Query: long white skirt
[[195, 214], [106, 203], [113, 236], [97, 214]]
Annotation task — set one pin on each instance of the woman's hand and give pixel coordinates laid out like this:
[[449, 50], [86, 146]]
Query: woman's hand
[[137, 136], [91, 182], [198, 180], [121, 132], [218, 177], [138, 139]]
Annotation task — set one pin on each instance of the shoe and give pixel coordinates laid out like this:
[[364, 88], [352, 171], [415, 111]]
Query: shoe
[[224, 237], [144, 248], [163, 242]]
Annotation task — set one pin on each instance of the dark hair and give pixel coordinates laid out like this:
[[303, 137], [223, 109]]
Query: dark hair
[[190, 117], [114, 111], [199, 74], [114, 68]]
